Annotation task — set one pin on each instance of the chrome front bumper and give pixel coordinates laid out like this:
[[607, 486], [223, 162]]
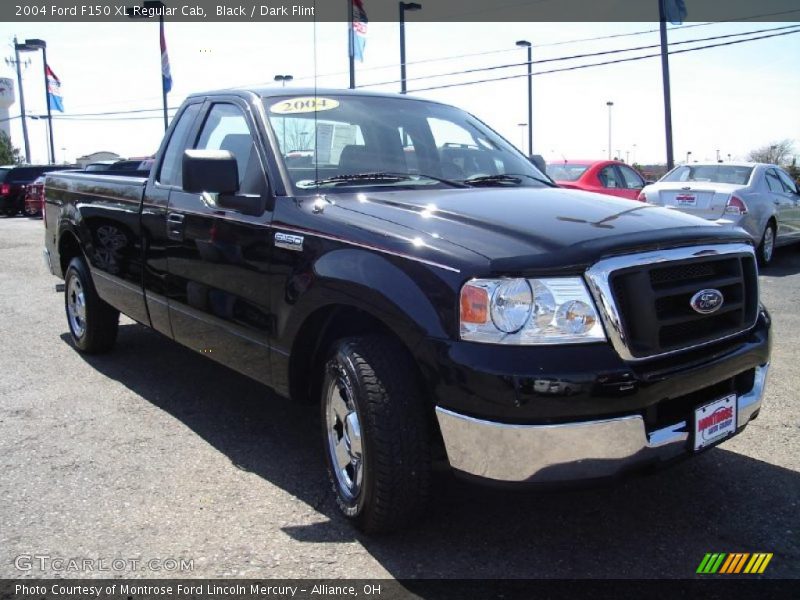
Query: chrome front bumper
[[570, 451]]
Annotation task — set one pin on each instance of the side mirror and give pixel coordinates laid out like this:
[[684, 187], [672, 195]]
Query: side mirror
[[212, 171], [538, 162]]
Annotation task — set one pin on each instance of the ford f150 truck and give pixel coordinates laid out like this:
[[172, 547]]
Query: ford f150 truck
[[398, 262]]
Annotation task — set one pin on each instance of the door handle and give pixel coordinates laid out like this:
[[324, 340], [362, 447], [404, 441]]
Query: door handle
[[175, 226]]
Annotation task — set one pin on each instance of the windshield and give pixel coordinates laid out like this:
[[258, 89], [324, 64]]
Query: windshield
[[3, 173], [711, 173], [566, 171], [327, 141]]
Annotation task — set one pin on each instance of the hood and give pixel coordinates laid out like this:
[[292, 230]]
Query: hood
[[521, 229]]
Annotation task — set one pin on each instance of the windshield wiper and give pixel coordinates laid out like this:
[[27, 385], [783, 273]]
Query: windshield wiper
[[382, 176], [507, 178]]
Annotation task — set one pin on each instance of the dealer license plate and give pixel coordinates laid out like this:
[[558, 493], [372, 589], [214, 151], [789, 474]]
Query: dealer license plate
[[686, 200], [715, 421]]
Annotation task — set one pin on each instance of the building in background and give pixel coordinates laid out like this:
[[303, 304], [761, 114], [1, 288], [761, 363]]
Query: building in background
[[94, 157], [7, 98]]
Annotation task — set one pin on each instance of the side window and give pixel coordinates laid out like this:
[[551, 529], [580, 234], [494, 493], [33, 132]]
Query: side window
[[171, 167], [632, 179], [773, 182], [787, 182], [226, 128], [608, 178]]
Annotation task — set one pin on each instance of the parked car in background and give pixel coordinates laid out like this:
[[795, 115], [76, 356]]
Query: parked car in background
[[610, 177], [34, 198], [14, 180], [761, 198]]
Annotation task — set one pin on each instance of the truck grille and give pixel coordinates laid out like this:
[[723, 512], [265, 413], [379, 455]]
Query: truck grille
[[646, 299]]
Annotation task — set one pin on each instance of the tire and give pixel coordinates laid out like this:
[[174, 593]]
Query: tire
[[766, 249], [92, 323], [374, 414]]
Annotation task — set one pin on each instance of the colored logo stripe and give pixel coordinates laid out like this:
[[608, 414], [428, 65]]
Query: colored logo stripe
[[728, 564]]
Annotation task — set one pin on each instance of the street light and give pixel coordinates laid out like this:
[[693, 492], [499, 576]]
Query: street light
[[32, 45], [521, 134], [609, 104], [527, 44], [688, 154], [404, 6], [17, 49], [283, 79]]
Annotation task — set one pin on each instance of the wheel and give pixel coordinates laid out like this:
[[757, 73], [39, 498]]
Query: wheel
[[92, 322], [766, 248], [30, 211], [375, 430]]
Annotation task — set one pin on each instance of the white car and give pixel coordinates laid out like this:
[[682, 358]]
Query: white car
[[760, 198]]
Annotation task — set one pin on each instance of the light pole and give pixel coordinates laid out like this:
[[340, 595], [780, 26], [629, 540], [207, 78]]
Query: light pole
[[729, 158], [24, 48], [527, 44], [283, 79], [609, 104], [688, 154], [719, 160], [521, 134], [404, 6], [33, 45]]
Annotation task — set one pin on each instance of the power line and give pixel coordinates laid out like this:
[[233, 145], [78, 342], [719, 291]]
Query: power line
[[576, 56], [609, 62]]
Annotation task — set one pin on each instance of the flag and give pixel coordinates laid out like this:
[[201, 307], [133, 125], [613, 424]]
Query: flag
[[675, 11], [166, 75], [54, 98], [359, 29]]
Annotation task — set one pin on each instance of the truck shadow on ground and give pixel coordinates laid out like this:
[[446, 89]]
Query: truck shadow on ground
[[655, 526], [785, 262]]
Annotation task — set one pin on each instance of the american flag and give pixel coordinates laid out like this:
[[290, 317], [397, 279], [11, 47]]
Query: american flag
[[166, 75], [360, 21], [54, 98]]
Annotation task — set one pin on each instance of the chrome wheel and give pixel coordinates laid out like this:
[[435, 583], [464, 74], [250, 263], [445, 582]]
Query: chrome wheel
[[344, 435], [768, 244], [76, 307]]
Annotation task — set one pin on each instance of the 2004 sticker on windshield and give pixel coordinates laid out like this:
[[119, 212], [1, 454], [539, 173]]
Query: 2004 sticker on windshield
[[305, 104]]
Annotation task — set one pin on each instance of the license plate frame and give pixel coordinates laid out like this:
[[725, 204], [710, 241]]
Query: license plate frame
[[686, 200], [715, 421]]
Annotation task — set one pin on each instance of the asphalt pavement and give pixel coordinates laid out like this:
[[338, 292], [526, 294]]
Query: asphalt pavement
[[154, 455]]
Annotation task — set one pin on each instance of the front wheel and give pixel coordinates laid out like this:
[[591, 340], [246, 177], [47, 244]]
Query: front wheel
[[375, 428], [92, 322], [767, 246]]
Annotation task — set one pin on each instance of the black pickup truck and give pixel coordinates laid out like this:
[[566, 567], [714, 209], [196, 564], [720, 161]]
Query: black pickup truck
[[401, 264]]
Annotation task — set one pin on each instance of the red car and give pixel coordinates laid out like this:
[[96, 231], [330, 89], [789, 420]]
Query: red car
[[601, 176], [34, 198]]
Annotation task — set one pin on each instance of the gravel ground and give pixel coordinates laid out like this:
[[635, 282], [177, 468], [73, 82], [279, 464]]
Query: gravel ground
[[154, 452]]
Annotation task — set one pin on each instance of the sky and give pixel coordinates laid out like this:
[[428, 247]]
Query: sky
[[732, 98]]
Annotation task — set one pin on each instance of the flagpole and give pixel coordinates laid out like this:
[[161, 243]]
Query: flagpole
[[163, 81], [665, 77], [52, 155], [351, 44]]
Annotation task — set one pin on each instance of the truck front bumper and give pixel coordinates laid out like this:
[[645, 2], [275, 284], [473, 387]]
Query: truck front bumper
[[572, 451]]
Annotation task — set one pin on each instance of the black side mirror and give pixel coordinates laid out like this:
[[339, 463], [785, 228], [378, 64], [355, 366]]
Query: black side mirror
[[212, 171], [538, 162]]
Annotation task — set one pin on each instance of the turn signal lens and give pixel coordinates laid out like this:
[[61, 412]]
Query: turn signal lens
[[474, 304], [736, 206]]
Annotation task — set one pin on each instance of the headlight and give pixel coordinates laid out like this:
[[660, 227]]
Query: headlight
[[555, 310]]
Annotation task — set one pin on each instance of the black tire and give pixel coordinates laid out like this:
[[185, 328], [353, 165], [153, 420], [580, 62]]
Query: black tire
[[92, 322], [376, 380], [764, 253]]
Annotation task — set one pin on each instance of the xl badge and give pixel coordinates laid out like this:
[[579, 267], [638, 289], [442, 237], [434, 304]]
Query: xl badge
[[707, 301], [289, 241]]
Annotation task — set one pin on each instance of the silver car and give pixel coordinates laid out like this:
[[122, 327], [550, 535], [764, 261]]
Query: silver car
[[758, 197]]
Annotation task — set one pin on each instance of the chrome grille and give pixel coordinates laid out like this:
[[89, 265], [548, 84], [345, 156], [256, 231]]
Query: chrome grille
[[644, 299]]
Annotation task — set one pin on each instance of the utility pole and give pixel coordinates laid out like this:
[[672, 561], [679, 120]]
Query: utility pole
[[403, 7], [665, 77], [609, 104], [351, 44]]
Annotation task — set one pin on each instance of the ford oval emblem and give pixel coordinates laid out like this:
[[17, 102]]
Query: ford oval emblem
[[707, 301]]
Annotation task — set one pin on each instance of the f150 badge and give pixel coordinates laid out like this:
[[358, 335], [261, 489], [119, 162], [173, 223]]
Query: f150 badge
[[289, 241], [707, 301]]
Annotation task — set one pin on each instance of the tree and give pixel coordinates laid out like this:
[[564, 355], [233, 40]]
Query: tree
[[9, 155], [777, 153]]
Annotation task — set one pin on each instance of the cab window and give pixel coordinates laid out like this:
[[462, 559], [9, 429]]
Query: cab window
[[171, 172]]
